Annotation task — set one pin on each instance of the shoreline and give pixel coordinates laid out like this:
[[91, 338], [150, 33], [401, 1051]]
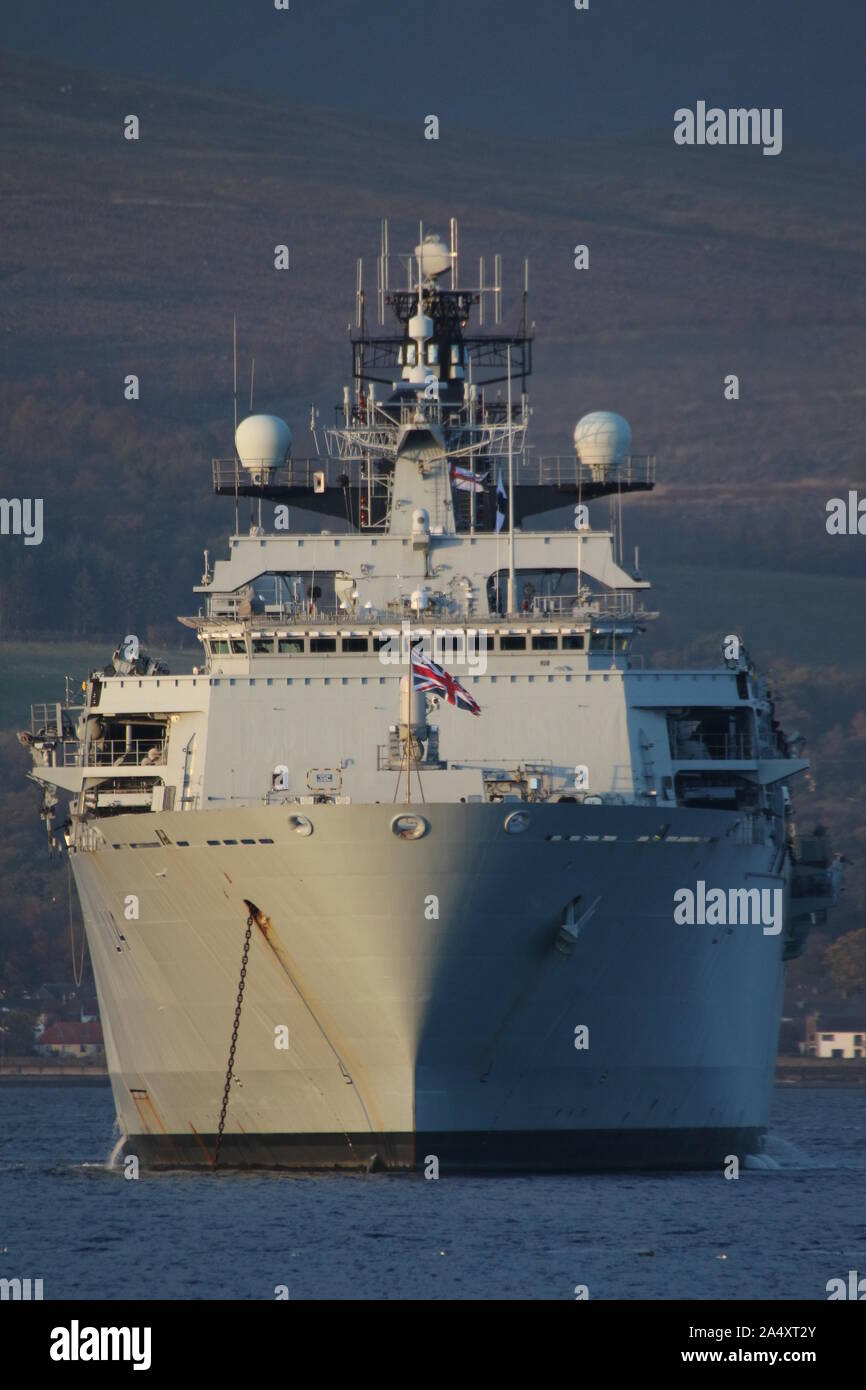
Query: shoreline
[[805, 1072], [44, 1071], [821, 1071]]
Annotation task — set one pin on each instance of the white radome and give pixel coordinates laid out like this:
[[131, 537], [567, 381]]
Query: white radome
[[418, 600], [263, 441], [602, 439], [434, 254]]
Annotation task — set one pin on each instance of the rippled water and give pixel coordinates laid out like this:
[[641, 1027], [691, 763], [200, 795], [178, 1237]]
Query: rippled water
[[780, 1231]]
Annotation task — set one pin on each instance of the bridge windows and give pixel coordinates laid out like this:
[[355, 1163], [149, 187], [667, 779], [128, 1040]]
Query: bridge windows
[[609, 640]]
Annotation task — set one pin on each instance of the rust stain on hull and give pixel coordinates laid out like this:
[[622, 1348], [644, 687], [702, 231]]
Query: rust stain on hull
[[143, 1105], [349, 1065], [202, 1145]]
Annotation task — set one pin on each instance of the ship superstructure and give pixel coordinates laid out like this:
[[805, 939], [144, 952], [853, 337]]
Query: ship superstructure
[[459, 933]]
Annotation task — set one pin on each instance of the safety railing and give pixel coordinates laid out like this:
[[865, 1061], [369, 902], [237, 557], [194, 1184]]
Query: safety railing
[[703, 747], [117, 752], [566, 470]]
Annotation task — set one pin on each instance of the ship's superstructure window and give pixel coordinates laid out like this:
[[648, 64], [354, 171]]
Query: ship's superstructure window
[[277, 595], [711, 733], [601, 641], [290, 646], [355, 644], [219, 646], [512, 643], [239, 646], [573, 642], [120, 741], [323, 644], [544, 643], [263, 646], [549, 591]]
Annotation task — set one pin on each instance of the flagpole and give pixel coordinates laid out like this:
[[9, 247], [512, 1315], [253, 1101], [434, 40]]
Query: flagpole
[[471, 412], [511, 608], [409, 727]]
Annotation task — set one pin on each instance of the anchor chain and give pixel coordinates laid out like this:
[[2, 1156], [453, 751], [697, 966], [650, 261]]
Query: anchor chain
[[237, 1023]]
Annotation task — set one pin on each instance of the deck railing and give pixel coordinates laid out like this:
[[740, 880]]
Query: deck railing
[[704, 747], [554, 470], [115, 752]]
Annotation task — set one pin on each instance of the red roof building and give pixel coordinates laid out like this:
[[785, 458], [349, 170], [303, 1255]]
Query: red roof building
[[77, 1039]]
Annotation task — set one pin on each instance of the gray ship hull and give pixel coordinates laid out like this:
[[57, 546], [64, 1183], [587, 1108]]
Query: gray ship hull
[[426, 994]]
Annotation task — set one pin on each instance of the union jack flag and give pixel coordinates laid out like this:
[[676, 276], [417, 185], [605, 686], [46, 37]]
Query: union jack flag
[[466, 481], [428, 677]]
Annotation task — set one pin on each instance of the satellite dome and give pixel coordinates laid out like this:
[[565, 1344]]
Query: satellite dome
[[434, 255], [263, 442], [602, 440]]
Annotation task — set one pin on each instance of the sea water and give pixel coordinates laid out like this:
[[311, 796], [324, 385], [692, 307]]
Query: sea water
[[794, 1219]]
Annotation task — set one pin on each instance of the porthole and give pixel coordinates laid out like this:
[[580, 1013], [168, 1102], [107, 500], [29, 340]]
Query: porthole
[[302, 825], [408, 827], [517, 822]]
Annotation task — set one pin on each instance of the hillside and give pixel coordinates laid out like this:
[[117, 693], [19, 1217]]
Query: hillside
[[122, 257]]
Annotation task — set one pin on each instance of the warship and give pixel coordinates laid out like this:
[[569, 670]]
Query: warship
[[390, 879]]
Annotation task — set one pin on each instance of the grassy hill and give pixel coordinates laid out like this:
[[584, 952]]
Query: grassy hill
[[122, 257]]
